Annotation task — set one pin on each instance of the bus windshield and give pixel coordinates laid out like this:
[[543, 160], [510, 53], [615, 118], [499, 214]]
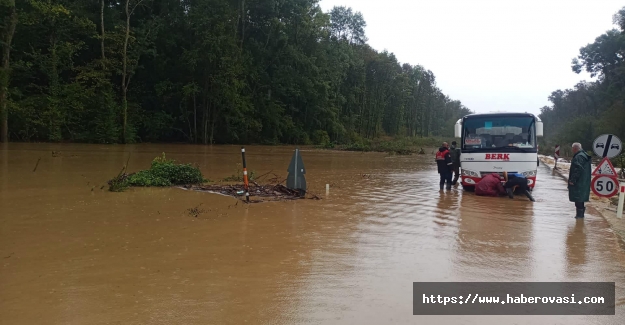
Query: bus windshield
[[499, 132]]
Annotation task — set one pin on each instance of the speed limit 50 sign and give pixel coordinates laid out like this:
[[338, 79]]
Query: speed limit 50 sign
[[604, 186]]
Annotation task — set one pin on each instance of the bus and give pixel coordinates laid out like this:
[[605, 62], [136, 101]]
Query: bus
[[498, 142]]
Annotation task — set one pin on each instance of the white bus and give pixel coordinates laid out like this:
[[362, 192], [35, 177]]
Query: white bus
[[498, 142]]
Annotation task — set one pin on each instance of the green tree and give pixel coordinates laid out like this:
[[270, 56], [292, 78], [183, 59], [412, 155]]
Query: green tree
[[591, 108], [7, 30], [210, 71]]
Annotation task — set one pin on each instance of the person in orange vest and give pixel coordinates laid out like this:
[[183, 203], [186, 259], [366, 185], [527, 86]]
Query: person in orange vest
[[443, 160]]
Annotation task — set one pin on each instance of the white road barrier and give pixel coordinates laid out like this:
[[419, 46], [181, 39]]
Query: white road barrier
[[621, 198]]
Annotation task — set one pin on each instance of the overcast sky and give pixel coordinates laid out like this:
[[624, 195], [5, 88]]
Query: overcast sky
[[493, 55]]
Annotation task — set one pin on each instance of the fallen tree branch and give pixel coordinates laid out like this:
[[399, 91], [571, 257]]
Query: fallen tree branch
[[263, 175], [266, 192], [37, 164]]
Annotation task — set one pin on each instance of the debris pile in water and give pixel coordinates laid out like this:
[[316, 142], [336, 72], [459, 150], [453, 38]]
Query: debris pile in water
[[263, 193], [164, 172], [273, 190]]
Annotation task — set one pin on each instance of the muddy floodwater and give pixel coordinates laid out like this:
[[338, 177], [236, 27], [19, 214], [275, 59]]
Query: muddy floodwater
[[73, 253]]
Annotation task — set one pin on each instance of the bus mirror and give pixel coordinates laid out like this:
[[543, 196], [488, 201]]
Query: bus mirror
[[458, 130], [539, 129]]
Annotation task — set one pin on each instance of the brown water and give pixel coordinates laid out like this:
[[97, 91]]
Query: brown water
[[73, 255]]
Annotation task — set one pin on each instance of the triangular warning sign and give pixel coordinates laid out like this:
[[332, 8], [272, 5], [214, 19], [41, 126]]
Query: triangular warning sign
[[605, 168]]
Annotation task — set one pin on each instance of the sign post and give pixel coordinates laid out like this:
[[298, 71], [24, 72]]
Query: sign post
[[607, 145], [605, 181], [296, 179], [556, 155], [621, 198], [604, 186], [245, 180]]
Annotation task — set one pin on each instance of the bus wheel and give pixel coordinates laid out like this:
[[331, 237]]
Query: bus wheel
[[468, 188]]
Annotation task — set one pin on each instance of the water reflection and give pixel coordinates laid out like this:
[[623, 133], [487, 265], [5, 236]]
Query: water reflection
[[494, 237], [576, 243], [446, 209]]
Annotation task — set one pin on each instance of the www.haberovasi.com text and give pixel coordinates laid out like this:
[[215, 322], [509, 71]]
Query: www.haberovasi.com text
[[508, 299]]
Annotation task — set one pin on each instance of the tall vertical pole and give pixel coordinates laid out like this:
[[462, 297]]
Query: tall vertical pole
[[245, 181], [621, 199], [295, 172], [556, 155]]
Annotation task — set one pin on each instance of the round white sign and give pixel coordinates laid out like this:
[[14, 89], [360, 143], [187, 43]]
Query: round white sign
[[604, 186], [607, 145]]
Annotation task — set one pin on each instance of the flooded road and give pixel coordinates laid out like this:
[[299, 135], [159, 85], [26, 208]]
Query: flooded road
[[72, 253]]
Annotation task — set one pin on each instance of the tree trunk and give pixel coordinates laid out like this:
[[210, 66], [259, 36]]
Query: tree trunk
[[205, 130], [194, 119], [213, 125], [7, 37], [417, 116], [243, 15], [205, 118], [124, 74], [362, 105], [55, 123], [183, 110], [429, 121], [102, 33]]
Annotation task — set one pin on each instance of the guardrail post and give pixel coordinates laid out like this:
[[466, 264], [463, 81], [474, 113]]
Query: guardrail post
[[621, 198]]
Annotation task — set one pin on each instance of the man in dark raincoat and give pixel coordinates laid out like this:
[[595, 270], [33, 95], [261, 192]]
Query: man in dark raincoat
[[490, 185], [579, 179]]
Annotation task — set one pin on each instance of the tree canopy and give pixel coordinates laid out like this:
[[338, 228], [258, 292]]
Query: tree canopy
[[592, 108], [206, 71]]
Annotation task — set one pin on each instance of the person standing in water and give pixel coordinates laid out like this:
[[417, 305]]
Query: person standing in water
[[579, 179], [455, 159], [444, 163]]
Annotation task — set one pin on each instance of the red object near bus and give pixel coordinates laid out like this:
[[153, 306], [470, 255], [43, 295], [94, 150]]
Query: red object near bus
[[490, 185]]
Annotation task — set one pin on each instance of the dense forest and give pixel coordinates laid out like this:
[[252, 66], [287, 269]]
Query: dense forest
[[591, 108], [206, 71]]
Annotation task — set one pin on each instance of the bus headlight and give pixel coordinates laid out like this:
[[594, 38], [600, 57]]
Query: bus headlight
[[470, 173], [530, 173]]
